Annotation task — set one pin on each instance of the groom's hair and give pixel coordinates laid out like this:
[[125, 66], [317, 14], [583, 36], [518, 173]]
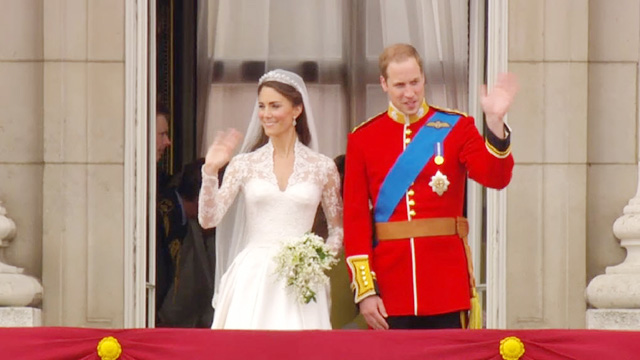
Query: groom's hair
[[397, 53], [291, 94]]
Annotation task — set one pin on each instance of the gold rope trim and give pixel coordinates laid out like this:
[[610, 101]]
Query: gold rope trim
[[497, 153]]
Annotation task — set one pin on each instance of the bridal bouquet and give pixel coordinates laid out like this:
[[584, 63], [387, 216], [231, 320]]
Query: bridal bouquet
[[302, 263]]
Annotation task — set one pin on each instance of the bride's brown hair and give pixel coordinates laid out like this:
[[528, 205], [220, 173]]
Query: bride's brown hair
[[291, 94]]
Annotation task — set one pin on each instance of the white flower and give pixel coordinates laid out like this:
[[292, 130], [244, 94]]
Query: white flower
[[302, 263]]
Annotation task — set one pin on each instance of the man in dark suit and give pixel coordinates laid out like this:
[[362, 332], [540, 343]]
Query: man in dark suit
[[184, 255]]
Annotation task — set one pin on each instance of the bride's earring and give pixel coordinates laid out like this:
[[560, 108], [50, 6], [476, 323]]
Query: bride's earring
[[294, 122]]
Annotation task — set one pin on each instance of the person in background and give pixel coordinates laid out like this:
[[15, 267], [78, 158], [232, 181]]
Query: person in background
[[162, 144], [185, 255]]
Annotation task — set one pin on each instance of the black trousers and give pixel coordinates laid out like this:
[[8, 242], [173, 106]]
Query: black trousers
[[442, 321]]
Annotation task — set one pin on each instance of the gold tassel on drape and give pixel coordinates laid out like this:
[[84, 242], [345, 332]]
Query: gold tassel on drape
[[475, 313]]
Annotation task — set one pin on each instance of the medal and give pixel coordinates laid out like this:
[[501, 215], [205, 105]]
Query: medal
[[439, 183], [439, 159]]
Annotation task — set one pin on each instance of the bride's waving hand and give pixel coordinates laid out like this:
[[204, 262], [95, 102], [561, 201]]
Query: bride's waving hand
[[221, 150]]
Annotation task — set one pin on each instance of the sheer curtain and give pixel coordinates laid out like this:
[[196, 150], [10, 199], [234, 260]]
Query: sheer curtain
[[319, 40], [439, 30], [250, 37]]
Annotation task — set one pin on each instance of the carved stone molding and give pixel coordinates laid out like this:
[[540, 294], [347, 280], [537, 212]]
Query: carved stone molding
[[16, 289], [619, 287]]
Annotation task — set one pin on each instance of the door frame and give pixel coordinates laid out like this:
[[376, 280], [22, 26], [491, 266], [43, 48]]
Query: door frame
[[139, 153], [497, 44]]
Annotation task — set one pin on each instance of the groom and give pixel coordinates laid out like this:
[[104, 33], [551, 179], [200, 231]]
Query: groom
[[405, 237]]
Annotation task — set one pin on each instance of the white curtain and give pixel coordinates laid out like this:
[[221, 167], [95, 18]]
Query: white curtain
[[439, 30], [280, 33], [286, 33]]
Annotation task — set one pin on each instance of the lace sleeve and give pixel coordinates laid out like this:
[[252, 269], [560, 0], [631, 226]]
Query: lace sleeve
[[332, 207], [214, 202]]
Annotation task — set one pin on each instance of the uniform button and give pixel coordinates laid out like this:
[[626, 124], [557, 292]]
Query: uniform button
[[411, 192], [366, 283], [411, 202], [361, 267], [407, 140], [364, 273], [412, 213], [364, 278], [408, 131]]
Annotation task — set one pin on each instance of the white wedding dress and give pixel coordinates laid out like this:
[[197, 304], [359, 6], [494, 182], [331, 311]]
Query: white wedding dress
[[250, 296]]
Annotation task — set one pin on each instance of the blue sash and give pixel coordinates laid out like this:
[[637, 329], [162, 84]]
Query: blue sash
[[410, 163]]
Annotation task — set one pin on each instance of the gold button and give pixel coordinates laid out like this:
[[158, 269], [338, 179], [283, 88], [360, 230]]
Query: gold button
[[411, 192], [361, 267], [408, 131], [364, 278], [364, 273], [407, 140], [366, 283], [412, 213], [411, 202]]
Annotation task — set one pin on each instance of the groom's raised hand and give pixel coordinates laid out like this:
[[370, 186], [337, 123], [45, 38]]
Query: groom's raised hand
[[496, 102]]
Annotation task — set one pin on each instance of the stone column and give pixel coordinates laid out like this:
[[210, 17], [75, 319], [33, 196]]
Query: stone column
[[17, 290], [83, 176], [616, 294], [546, 202]]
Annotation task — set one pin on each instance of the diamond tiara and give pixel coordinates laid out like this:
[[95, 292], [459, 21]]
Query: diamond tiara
[[273, 75]]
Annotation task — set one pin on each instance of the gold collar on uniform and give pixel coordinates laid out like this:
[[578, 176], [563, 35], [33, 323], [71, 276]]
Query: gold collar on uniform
[[400, 117]]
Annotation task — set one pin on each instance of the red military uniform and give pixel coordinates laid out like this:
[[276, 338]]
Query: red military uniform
[[421, 275]]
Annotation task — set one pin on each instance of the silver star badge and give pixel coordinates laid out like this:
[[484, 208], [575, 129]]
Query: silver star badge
[[439, 183]]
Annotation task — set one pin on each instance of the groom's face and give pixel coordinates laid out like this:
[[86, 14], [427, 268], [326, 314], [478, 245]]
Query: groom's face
[[404, 85], [276, 112]]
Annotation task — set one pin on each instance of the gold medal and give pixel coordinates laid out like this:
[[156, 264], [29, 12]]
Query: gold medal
[[438, 159]]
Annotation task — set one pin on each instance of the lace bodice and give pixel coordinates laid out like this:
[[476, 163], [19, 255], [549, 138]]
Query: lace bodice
[[272, 214]]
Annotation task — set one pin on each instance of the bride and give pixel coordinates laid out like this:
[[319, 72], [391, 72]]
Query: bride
[[279, 179]]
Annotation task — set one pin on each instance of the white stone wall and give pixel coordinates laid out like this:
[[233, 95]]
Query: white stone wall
[[61, 151], [575, 141], [547, 198], [83, 162], [613, 117], [21, 131]]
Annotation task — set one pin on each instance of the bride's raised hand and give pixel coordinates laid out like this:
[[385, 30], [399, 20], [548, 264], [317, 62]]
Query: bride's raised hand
[[221, 150]]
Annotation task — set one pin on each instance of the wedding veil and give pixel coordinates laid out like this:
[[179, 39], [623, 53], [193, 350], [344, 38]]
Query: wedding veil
[[230, 233]]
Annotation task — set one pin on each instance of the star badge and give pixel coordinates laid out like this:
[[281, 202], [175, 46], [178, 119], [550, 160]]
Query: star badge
[[439, 183]]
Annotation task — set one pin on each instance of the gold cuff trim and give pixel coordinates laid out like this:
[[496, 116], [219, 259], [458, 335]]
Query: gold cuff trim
[[363, 278], [497, 153]]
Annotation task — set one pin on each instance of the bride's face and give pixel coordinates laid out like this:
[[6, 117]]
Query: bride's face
[[276, 112]]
